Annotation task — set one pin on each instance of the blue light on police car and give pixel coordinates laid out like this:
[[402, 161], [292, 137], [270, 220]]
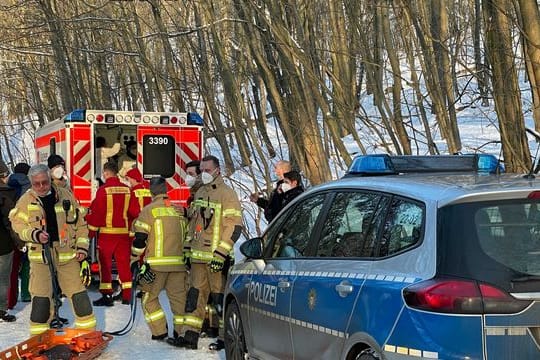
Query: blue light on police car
[[194, 119], [75, 115], [489, 164], [372, 164]]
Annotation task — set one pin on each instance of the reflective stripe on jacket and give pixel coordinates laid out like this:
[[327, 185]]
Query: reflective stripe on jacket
[[213, 215], [166, 230], [28, 217], [108, 211]]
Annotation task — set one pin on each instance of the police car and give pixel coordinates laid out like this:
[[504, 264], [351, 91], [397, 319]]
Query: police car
[[404, 258]]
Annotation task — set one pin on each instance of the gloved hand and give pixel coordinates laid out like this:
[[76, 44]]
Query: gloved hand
[[146, 275], [217, 263], [85, 273]]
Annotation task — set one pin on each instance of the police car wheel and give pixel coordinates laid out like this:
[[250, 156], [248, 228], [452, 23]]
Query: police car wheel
[[235, 343], [367, 354]]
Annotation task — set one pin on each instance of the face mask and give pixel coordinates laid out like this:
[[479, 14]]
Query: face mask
[[286, 187], [207, 178], [190, 180], [58, 172]]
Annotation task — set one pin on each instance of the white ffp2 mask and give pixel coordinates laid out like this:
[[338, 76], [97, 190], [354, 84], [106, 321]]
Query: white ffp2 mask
[[58, 172], [207, 178], [190, 180]]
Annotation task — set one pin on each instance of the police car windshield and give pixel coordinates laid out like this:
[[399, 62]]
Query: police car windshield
[[496, 241]]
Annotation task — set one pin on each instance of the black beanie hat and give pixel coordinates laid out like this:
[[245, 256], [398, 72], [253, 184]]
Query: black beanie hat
[[55, 160], [21, 168]]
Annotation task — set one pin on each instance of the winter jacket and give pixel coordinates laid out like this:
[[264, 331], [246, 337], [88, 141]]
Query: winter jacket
[[19, 182], [160, 232], [215, 222], [7, 202], [272, 205], [28, 220], [291, 195]]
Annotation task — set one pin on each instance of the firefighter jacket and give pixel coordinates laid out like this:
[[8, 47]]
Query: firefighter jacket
[[160, 232], [108, 211], [215, 222], [28, 219]]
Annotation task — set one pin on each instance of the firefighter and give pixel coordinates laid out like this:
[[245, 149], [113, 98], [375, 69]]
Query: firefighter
[[215, 224], [193, 180], [47, 215], [160, 232], [57, 167], [108, 219]]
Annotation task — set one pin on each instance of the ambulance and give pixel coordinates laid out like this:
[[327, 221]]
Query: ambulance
[[166, 141]]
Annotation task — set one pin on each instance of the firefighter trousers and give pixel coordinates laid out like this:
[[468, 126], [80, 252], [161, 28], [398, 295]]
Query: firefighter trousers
[[70, 282], [203, 282], [175, 285], [117, 247]]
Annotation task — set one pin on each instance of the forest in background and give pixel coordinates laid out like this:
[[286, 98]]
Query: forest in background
[[303, 67]]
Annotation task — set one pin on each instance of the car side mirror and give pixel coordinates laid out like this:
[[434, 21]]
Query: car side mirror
[[253, 248]]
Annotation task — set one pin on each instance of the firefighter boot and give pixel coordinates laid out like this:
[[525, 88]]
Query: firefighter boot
[[105, 300], [190, 340], [161, 337]]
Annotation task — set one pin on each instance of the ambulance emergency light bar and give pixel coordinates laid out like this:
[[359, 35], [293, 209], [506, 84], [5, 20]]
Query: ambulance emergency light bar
[[383, 164], [128, 117]]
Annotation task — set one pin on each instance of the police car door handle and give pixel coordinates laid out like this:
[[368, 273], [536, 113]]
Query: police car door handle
[[344, 288], [283, 285]]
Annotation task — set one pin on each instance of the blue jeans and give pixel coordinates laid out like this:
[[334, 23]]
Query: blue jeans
[[5, 271]]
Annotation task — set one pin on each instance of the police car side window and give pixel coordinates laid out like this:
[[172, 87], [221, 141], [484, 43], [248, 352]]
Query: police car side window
[[292, 234], [402, 228], [352, 224]]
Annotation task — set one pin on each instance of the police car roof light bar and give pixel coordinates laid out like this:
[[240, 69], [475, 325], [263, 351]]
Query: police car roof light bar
[[383, 164]]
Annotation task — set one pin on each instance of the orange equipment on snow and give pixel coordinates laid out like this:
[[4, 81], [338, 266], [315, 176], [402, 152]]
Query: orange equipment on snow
[[59, 344]]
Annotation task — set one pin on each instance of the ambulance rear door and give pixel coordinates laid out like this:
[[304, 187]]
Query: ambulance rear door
[[164, 151]]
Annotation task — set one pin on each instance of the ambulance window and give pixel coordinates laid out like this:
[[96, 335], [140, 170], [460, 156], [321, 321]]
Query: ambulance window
[[158, 155]]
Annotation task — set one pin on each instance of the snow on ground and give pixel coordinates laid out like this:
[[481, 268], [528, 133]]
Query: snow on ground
[[136, 345]]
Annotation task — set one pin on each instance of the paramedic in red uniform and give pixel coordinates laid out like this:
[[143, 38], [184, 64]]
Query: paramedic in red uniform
[[140, 193], [108, 219]]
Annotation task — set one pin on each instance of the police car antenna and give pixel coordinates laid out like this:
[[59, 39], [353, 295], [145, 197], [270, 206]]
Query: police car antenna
[[536, 135]]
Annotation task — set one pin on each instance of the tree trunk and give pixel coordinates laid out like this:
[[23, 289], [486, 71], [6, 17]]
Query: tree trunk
[[505, 86], [530, 17]]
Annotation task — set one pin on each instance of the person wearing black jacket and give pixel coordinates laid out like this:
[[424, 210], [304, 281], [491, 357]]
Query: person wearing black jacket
[[20, 265], [7, 240], [291, 187], [273, 204]]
